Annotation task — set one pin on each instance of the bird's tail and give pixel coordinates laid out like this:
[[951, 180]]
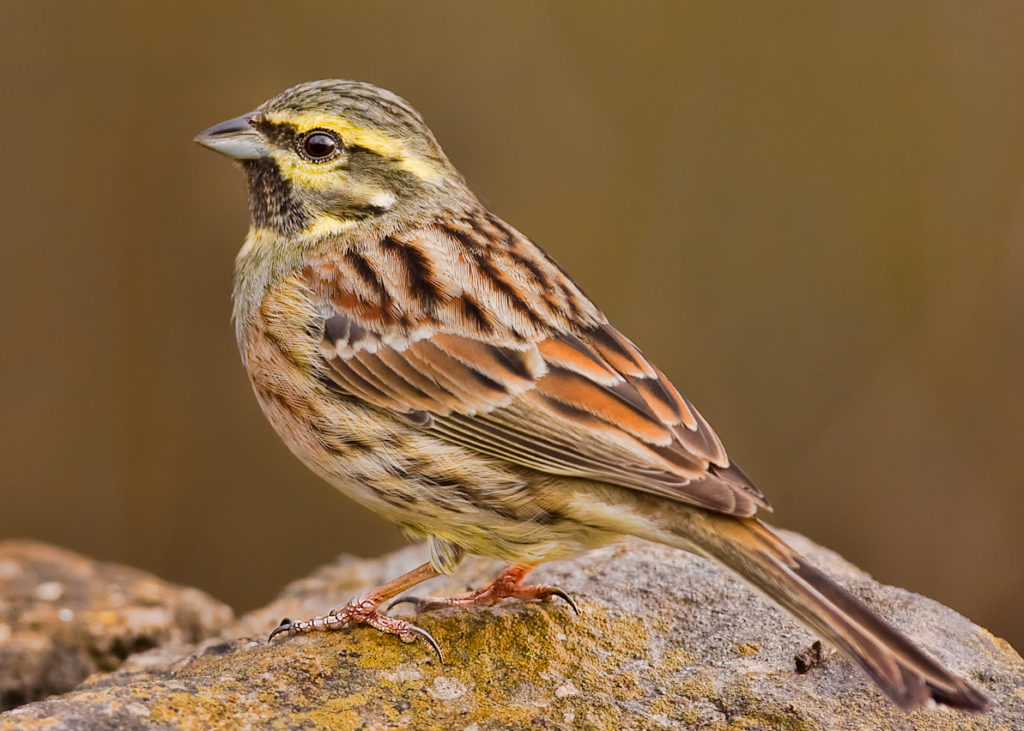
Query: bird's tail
[[745, 545]]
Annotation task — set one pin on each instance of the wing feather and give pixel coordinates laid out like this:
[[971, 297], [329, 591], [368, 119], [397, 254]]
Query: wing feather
[[567, 396]]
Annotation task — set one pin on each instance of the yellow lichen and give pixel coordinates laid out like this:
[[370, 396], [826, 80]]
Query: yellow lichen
[[748, 648], [677, 659]]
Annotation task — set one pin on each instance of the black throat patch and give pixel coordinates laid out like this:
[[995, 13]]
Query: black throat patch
[[272, 202]]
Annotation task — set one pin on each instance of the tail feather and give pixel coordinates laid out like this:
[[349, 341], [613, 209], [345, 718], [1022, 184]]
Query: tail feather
[[906, 674]]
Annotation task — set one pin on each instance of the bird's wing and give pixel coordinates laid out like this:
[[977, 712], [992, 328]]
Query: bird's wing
[[471, 332]]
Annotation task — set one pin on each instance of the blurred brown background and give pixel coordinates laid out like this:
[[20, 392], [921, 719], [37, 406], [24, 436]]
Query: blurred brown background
[[811, 215]]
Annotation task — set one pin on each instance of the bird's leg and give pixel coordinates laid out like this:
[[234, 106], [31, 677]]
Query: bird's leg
[[363, 610], [508, 585]]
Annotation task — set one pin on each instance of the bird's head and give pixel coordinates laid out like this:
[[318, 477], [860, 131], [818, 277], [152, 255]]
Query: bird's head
[[325, 157]]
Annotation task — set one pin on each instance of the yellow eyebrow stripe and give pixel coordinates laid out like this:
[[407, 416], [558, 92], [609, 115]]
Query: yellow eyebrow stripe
[[369, 139]]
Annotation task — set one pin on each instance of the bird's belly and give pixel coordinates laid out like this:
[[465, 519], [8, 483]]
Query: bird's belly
[[426, 485]]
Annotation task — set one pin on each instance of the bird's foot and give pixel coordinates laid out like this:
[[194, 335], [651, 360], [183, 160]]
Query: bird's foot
[[363, 610], [508, 585]]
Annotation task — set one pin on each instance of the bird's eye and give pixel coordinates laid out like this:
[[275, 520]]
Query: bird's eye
[[319, 145]]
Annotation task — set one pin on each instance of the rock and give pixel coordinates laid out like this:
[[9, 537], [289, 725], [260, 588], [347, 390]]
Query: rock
[[64, 617], [665, 640]]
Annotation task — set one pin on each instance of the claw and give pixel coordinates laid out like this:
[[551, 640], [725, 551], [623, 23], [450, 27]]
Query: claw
[[414, 600], [422, 633], [285, 626], [555, 591]]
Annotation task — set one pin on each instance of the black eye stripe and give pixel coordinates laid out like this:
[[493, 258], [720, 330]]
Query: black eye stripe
[[282, 135], [288, 136]]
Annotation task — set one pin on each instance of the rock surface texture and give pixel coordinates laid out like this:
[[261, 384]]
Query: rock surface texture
[[64, 617], [665, 641]]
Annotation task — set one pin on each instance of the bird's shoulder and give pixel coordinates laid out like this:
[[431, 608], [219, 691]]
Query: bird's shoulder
[[475, 275]]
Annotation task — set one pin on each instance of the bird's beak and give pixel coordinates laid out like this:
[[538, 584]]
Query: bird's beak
[[236, 138]]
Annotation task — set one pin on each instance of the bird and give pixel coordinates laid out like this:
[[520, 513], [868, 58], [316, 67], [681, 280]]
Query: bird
[[436, 366]]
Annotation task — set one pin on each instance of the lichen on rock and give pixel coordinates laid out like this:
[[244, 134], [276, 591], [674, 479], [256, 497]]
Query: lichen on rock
[[665, 640]]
